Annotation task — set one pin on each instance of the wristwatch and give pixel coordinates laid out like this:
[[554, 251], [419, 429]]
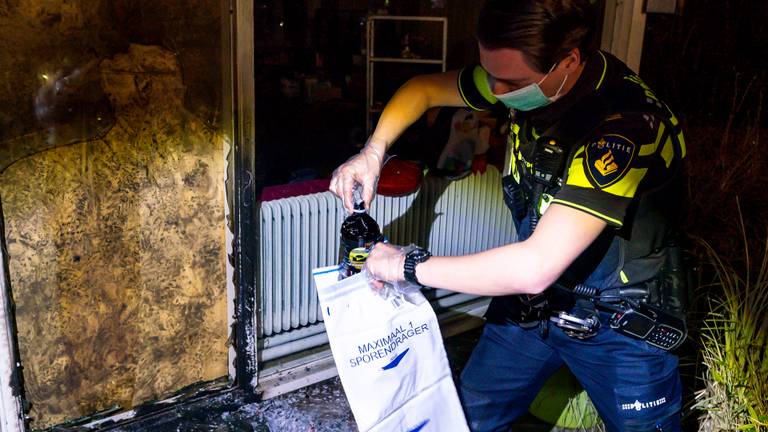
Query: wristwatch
[[412, 258]]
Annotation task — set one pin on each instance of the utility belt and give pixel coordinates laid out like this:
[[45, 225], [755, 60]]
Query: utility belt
[[631, 314]]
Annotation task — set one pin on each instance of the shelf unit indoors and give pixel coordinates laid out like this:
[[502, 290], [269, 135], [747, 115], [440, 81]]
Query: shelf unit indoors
[[375, 56]]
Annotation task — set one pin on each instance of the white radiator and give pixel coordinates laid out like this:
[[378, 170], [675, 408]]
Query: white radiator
[[302, 233]]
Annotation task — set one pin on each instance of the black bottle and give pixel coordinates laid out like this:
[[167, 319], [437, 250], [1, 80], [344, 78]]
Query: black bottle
[[359, 233]]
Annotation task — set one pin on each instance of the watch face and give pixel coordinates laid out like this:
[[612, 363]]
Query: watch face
[[419, 255]]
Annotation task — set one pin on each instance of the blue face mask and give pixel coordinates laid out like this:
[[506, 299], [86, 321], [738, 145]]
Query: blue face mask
[[529, 97]]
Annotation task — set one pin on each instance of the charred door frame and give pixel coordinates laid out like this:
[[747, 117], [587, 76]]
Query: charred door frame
[[12, 416], [248, 183], [243, 186]]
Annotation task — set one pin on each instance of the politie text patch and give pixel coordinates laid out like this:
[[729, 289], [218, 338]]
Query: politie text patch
[[608, 158]]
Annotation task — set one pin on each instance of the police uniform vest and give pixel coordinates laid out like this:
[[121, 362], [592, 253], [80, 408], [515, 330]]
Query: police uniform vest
[[609, 147]]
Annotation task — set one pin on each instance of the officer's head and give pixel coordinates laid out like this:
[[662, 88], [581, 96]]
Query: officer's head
[[524, 41]]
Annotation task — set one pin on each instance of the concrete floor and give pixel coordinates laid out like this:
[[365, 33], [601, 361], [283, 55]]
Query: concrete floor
[[321, 407]]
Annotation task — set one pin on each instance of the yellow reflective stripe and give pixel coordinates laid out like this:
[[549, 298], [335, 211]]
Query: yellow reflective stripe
[[578, 152], [681, 140], [463, 96], [668, 152], [605, 67], [512, 160], [649, 149], [516, 130], [533, 132], [588, 210], [480, 78], [513, 154], [623, 276], [627, 186], [577, 176]]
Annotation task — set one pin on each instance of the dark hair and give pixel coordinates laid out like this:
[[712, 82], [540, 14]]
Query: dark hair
[[544, 30]]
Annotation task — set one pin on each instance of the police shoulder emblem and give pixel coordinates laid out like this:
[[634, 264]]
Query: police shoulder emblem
[[609, 158]]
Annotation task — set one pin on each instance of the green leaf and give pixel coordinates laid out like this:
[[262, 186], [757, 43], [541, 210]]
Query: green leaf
[[716, 375], [751, 411]]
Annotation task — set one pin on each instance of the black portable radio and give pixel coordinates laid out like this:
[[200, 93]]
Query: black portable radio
[[548, 162], [653, 325]]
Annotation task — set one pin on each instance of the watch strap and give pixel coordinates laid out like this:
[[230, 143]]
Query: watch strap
[[412, 259]]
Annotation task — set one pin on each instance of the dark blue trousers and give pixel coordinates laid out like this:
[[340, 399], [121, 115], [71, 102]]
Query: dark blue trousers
[[634, 386]]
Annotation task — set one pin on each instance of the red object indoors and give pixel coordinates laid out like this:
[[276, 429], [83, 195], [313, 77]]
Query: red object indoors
[[399, 177], [307, 187]]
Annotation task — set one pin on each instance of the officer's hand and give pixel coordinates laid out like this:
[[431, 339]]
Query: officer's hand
[[386, 263], [363, 168]]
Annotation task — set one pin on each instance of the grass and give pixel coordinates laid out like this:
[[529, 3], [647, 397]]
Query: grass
[[734, 341], [727, 172]]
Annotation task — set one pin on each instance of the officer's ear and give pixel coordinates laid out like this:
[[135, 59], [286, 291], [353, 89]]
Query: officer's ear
[[571, 61]]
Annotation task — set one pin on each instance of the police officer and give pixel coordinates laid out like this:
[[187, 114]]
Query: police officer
[[593, 161]]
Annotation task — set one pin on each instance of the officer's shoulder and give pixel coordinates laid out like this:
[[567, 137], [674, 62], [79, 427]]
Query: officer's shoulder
[[625, 92], [635, 127]]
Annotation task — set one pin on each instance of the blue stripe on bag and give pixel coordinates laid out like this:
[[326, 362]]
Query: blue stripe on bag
[[393, 364], [326, 271], [419, 427]]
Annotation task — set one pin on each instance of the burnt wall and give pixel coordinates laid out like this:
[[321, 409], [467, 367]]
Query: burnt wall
[[48, 51], [112, 185]]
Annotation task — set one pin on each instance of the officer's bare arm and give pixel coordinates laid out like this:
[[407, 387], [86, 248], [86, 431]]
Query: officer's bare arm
[[406, 106], [413, 99], [528, 267]]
